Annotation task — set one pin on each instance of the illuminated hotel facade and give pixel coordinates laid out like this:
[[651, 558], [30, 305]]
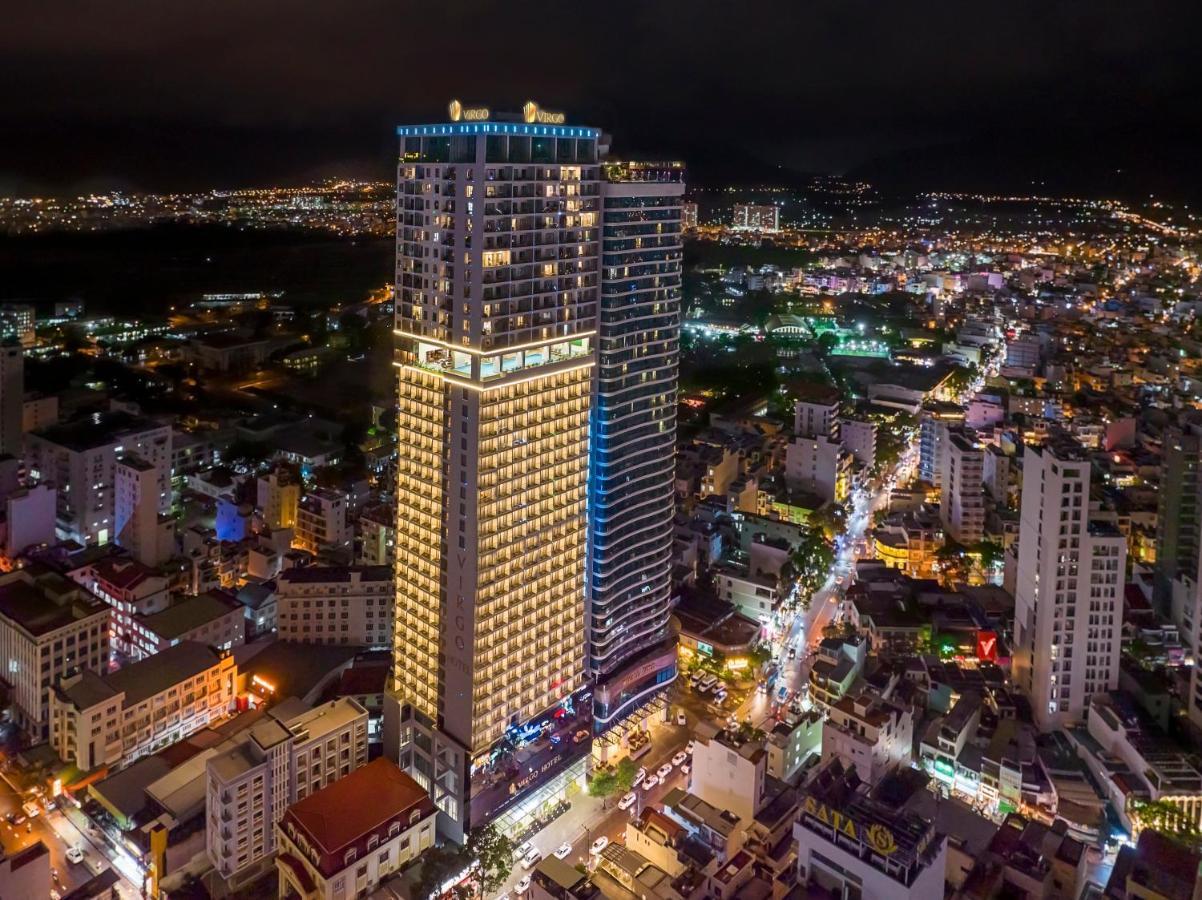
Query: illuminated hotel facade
[[512, 288], [632, 654], [497, 289]]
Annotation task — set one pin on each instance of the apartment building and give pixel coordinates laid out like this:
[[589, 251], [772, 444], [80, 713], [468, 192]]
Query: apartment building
[[111, 720], [79, 458], [215, 618], [132, 589], [139, 525], [377, 536], [321, 522], [49, 627], [278, 498], [868, 731], [1068, 589], [336, 605], [962, 501], [287, 756], [819, 466], [346, 838]]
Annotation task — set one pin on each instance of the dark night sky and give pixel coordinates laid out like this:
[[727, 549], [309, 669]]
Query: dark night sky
[[233, 92]]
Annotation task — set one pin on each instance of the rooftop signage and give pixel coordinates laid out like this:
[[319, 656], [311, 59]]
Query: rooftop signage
[[533, 113], [875, 836], [460, 113]]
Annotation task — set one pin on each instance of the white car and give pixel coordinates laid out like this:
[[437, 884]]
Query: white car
[[650, 782], [681, 719], [530, 860], [627, 800], [563, 851], [638, 777], [522, 849], [679, 758], [688, 748], [74, 855], [664, 771], [685, 769], [598, 845], [522, 886]]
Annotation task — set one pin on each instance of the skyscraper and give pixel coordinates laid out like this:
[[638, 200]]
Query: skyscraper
[[631, 653], [497, 289], [1068, 594]]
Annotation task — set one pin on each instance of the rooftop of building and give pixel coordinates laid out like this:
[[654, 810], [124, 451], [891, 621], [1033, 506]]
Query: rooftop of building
[[1157, 864], [42, 601], [125, 573], [334, 574], [97, 429], [292, 669], [692, 807], [189, 613], [360, 804], [142, 680], [226, 340]]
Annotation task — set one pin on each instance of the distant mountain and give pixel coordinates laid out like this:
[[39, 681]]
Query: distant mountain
[[1127, 166]]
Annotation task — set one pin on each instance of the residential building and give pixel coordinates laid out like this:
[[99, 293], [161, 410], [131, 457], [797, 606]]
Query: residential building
[[851, 842], [631, 652], [225, 351], [278, 497], [867, 730], [79, 459], [754, 594], [28, 519], [49, 627], [730, 774], [139, 526], [791, 742], [348, 837], [132, 589], [962, 501], [819, 466], [18, 322], [757, 217], [214, 617], [287, 756], [859, 439], [321, 522], [39, 411], [816, 413], [336, 605], [688, 215], [377, 536], [495, 362], [111, 720], [1179, 505], [1069, 584], [12, 397]]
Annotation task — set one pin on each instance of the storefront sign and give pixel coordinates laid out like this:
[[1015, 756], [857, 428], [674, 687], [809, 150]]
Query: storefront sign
[[875, 836], [987, 646]]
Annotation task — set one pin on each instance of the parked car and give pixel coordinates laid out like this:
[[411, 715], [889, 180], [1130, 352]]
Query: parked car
[[522, 886], [650, 782], [688, 748], [522, 849], [638, 777], [530, 860], [684, 770], [563, 851], [664, 771], [627, 801], [598, 845], [680, 758], [75, 855], [681, 718], [581, 735]]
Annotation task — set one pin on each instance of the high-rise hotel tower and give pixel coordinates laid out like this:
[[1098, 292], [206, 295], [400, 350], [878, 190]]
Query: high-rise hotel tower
[[631, 653], [500, 309]]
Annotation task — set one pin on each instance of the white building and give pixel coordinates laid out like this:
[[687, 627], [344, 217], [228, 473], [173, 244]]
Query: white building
[[111, 720], [1068, 589], [139, 525], [49, 626], [859, 439], [28, 519], [757, 217], [336, 605], [132, 589], [214, 617], [818, 466], [817, 414], [345, 839], [756, 595], [729, 775], [962, 501], [870, 732], [279, 760], [377, 536], [321, 522], [79, 458], [853, 844]]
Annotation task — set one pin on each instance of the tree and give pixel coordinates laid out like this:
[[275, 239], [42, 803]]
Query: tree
[[991, 552], [624, 774], [493, 853], [952, 562], [437, 865], [603, 784]]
